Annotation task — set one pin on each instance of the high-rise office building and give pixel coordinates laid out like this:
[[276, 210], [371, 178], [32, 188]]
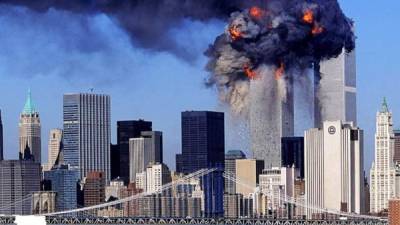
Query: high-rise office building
[[54, 148], [203, 146], [230, 168], [125, 131], [1, 139], [336, 89], [293, 153], [334, 172], [157, 175], [144, 150], [271, 118], [18, 179], [248, 171], [114, 161], [30, 131], [396, 156], [87, 132], [383, 172], [94, 189], [64, 182]]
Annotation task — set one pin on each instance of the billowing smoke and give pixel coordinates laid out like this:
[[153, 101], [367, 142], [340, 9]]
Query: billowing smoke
[[280, 37], [146, 21]]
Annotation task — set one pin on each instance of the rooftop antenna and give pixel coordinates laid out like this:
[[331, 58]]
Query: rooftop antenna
[[91, 89]]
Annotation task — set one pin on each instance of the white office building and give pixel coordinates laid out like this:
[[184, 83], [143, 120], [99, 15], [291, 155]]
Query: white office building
[[383, 172], [277, 184], [54, 148], [334, 175], [157, 175]]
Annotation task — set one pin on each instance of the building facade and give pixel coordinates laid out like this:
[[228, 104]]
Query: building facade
[[1, 139], [87, 132], [271, 117], [54, 148], [394, 211], [336, 89], [157, 175], [18, 179], [293, 153], [203, 146], [125, 131], [247, 172], [383, 172], [64, 182], [396, 155], [334, 174], [230, 168], [30, 132], [94, 188]]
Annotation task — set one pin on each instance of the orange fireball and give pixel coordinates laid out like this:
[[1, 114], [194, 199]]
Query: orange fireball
[[317, 29], [308, 16], [256, 12], [251, 74], [280, 71], [235, 33]]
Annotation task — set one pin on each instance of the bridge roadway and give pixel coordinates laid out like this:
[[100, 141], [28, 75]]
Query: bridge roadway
[[204, 221], [9, 220]]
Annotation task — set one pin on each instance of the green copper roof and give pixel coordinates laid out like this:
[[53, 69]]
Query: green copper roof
[[385, 107], [29, 107]]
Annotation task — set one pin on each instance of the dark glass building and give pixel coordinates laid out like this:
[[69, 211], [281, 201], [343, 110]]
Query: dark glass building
[[114, 160], [203, 146], [293, 153], [125, 131]]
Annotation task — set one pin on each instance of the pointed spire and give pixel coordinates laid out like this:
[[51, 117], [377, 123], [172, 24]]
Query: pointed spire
[[29, 107], [385, 107]]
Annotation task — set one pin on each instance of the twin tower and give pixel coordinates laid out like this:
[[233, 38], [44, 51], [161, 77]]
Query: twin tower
[[331, 96]]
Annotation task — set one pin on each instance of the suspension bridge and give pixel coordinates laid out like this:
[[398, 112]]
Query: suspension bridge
[[179, 202]]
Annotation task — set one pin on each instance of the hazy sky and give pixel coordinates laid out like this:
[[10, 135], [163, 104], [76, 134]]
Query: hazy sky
[[59, 52]]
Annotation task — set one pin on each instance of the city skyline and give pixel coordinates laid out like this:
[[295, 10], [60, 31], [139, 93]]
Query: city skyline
[[188, 78]]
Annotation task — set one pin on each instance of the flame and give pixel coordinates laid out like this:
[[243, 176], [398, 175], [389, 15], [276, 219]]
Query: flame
[[308, 16], [280, 71], [317, 29], [251, 74], [256, 12], [235, 33]]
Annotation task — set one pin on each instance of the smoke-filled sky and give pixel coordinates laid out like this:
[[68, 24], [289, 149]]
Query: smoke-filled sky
[[58, 51]]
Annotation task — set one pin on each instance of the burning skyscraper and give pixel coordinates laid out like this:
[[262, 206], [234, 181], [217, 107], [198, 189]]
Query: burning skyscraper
[[263, 51]]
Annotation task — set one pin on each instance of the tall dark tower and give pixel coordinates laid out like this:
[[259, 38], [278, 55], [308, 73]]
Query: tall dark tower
[[125, 131], [1, 139], [203, 146]]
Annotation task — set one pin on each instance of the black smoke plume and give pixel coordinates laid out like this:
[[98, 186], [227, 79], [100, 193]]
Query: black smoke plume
[[146, 21], [284, 37]]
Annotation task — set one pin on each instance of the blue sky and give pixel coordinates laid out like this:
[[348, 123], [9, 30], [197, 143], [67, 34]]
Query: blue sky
[[59, 52]]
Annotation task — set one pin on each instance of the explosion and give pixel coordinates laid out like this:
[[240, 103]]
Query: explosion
[[294, 34], [308, 16]]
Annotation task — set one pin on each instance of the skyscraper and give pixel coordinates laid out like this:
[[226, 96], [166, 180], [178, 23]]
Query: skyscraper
[[396, 157], [293, 153], [54, 147], [203, 140], [87, 132], [271, 118], [230, 168], [144, 150], [336, 89], [334, 172], [30, 131], [203, 146], [383, 172], [1, 139], [125, 131], [94, 189], [18, 179]]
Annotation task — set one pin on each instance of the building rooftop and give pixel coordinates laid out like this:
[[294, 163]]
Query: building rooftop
[[29, 107], [385, 107]]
